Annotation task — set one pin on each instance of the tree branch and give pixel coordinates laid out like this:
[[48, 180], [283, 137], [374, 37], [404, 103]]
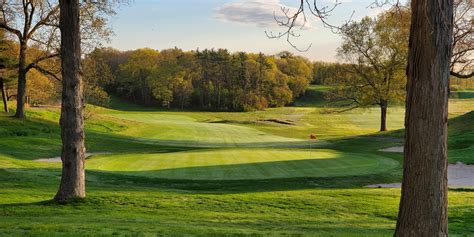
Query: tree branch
[[47, 72], [461, 76], [45, 21], [38, 60], [4, 25]]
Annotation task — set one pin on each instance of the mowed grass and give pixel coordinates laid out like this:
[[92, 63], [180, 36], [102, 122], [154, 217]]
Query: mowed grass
[[178, 173], [241, 164], [181, 130]]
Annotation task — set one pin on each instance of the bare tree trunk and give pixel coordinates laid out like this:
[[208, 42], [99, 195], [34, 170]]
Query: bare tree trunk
[[21, 94], [423, 204], [383, 116], [72, 120], [4, 95]]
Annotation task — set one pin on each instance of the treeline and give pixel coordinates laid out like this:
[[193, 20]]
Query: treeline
[[215, 80]]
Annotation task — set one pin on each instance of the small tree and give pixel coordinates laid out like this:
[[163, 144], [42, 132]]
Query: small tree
[[376, 51]]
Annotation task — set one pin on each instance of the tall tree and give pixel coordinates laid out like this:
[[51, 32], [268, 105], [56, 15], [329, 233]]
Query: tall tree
[[423, 204], [35, 22], [376, 51], [72, 120], [424, 200]]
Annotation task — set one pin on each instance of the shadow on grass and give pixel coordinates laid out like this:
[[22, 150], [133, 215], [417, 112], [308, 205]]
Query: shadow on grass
[[36, 138], [344, 164], [49, 177]]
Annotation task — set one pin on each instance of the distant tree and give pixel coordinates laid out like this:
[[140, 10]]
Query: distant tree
[[35, 23], [97, 75], [162, 80], [171, 80], [134, 74], [376, 50], [183, 86], [298, 69], [72, 184], [326, 72], [209, 80]]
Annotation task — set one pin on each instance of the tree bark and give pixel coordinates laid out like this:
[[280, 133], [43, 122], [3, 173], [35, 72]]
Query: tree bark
[[72, 120], [21, 94], [383, 116], [4, 95], [423, 204]]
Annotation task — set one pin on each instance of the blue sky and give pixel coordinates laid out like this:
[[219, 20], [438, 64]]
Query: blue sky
[[238, 25]]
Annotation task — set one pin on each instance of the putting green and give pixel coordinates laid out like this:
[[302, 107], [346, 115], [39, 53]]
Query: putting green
[[181, 130], [241, 164]]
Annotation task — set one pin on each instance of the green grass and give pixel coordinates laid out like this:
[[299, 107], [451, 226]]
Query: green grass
[[240, 164], [213, 174]]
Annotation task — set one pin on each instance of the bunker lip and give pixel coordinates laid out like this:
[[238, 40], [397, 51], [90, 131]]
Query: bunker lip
[[57, 159], [278, 121]]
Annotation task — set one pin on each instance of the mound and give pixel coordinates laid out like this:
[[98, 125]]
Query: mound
[[461, 139]]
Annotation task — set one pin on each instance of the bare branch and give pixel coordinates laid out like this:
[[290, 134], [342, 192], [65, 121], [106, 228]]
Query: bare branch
[[46, 72], [35, 63], [290, 21], [462, 76], [46, 21]]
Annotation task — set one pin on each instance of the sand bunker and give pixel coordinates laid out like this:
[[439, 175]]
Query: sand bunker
[[58, 158], [459, 175], [395, 149]]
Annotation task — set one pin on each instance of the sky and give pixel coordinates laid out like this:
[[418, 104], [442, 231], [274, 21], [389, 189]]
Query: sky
[[237, 25]]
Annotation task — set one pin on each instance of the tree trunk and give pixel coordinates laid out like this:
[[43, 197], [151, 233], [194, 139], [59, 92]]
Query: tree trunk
[[423, 204], [4, 95], [383, 116], [21, 94], [72, 120]]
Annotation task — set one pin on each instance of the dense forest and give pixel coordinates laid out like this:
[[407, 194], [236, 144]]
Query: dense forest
[[214, 80]]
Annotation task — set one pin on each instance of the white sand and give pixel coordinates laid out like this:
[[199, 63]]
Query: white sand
[[395, 149], [459, 175]]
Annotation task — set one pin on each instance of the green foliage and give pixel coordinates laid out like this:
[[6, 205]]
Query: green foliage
[[208, 80], [298, 70], [376, 52], [96, 73], [325, 73], [7, 60]]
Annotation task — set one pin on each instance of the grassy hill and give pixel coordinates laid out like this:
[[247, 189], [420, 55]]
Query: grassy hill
[[233, 174]]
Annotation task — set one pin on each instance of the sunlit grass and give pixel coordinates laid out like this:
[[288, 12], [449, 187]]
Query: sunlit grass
[[232, 174]]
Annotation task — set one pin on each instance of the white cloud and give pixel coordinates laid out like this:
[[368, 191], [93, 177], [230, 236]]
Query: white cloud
[[255, 12]]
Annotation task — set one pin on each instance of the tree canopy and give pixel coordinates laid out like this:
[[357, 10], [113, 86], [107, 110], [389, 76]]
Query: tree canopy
[[208, 80]]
